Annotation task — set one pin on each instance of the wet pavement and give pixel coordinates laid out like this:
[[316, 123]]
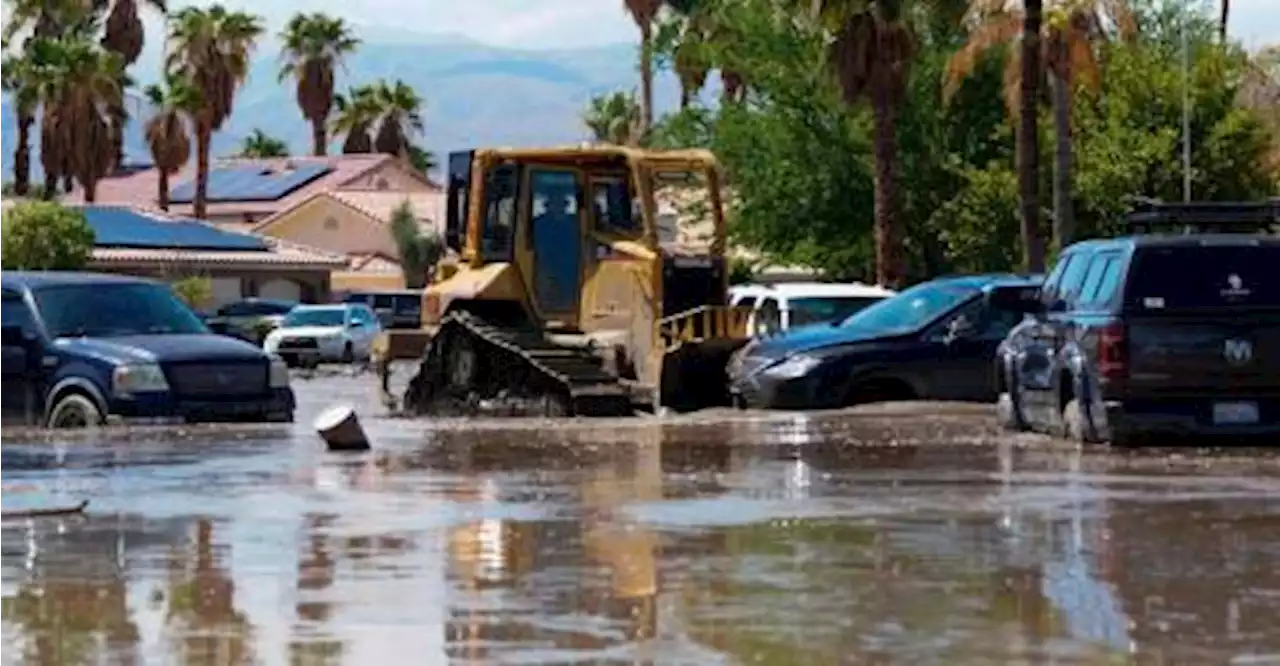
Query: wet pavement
[[892, 535]]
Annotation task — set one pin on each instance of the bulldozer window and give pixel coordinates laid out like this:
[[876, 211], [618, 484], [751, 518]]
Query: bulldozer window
[[497, 236], [613, 206]]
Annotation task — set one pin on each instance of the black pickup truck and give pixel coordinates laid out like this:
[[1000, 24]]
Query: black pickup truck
[[1174, 330]]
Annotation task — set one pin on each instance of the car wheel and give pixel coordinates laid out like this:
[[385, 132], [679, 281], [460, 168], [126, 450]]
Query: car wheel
[[1009, 414], [1077, 426], [348, 354], [75, 411]]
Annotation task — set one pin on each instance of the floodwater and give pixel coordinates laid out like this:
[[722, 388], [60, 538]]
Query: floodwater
[[907, 535]]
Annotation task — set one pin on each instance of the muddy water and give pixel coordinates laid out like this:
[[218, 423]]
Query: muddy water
[[895, 536]]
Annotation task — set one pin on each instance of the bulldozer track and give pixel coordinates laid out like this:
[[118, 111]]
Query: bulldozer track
[[521, 362]]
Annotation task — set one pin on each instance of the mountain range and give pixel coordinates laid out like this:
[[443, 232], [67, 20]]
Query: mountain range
[[476, 95]]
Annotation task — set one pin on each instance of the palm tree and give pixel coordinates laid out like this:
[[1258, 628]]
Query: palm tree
[[211, 48], [77, 81], [123, 34], [1222, 24], [44, 19], [871, 53], [644, 13], [166, 131], [314, 45], [357, 111], [1029, 137], [260, 144], [1068, 40], [19, 82], [399, 117], [614, 118]]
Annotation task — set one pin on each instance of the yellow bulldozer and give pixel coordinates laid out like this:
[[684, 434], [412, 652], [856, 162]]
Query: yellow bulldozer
[[581, 286]]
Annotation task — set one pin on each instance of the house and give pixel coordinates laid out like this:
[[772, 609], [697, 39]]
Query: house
[[357, 224], [239, 265], [245, 191]]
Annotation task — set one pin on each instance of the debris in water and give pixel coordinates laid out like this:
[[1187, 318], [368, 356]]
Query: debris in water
[[340, 429], [40, 512]]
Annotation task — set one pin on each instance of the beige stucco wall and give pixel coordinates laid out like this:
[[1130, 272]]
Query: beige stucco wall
[[324, 223]]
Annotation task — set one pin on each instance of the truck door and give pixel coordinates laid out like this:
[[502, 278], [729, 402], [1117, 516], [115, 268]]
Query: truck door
[[22, 388]]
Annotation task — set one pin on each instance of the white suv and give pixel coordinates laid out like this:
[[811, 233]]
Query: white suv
[[778, 307], [310, 334]]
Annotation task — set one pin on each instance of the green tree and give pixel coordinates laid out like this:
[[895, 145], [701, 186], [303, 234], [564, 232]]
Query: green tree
[[314, 46], [167, 130], [260, 144], [356, 113], [419, 250], [614, 118], [399, 109], [44, 236]]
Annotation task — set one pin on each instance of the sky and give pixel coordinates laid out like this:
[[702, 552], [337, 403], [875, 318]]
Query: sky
[[547, 24]]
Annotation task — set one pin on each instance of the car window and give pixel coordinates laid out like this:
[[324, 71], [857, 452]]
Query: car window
[[1055, 277], [1099, 285], [824, 309], [408, 304], [1072, 279], [768, 317], [254, 309], [362, 316], [1220, 276], [14, 312], [1109, 285], [1088, 282], [746, 302], [383, 301]]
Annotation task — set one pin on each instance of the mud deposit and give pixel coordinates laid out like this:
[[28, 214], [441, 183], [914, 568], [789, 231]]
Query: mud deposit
[[902, 534]]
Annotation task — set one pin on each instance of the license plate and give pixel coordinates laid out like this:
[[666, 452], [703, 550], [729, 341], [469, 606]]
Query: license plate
[[1235, 413]]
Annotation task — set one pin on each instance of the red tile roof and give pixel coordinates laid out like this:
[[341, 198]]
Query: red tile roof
[[139, 188]]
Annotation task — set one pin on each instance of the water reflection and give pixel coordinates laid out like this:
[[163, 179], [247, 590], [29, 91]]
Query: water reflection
[[809, 545]]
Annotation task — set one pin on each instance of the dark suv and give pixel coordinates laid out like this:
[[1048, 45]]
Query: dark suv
[[1168, 333], [82, 349]]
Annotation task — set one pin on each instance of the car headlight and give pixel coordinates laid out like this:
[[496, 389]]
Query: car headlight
[[793, 366], [126, 380], [279, 377]]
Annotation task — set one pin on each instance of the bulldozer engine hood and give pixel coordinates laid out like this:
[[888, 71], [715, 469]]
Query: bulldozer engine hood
[[493, 282]]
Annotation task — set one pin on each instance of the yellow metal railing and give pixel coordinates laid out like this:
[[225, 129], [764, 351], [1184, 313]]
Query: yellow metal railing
[[709, 322]]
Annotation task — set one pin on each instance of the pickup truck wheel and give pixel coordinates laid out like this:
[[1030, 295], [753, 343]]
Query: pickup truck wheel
[[75, 411], [1009, 414], [1076, 424], [348, 354]]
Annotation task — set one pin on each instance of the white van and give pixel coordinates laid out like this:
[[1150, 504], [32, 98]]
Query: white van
[[779, 307]]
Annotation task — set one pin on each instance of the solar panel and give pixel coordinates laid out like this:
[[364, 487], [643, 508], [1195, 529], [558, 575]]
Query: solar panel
[[250, 183], [122, 227]]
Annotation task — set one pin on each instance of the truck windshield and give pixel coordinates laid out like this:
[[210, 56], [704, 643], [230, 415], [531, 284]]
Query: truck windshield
[[104, 310], [315, 317]]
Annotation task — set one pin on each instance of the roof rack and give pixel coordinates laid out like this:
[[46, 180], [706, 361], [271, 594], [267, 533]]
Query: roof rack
[[1201, 217]]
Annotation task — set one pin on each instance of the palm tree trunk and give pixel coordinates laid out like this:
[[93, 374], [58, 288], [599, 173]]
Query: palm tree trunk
[[1064, 225], [204, 136], [162, 191], [888, 236], [1222, 25], [90, 189], [646, 78], [319, 138], [1029, 139], [22, 156]]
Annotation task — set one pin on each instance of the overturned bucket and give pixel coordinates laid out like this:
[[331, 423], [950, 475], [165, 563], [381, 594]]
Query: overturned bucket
[[340, 429]]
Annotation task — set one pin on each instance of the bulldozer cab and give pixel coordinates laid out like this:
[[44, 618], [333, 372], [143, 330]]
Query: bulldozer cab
[[558, 215]]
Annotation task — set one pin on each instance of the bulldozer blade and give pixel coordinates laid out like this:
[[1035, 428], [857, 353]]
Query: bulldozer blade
[[695, 375]]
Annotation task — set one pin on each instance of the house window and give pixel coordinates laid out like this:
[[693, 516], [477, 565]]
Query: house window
[[331, 223]]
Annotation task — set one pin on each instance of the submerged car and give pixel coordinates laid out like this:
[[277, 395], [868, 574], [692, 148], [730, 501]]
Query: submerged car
[[934, 341], [82, 349], [312, 334]]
